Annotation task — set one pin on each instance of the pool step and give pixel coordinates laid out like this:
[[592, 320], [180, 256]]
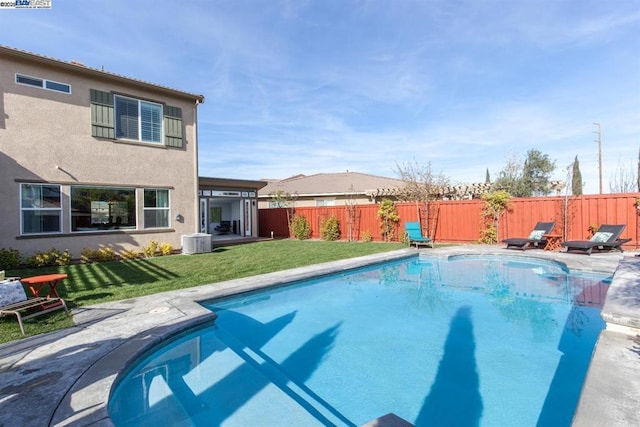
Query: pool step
[[389, 420]]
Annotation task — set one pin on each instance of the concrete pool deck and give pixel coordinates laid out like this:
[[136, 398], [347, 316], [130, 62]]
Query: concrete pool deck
[[64, 378]]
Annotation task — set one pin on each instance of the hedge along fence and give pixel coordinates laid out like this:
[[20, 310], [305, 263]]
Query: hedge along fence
[[459, 221]]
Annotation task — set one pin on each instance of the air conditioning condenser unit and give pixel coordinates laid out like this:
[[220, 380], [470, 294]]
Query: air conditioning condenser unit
[[196, 243]]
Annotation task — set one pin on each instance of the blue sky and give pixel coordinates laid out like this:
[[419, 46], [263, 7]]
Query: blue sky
[[296, 86]]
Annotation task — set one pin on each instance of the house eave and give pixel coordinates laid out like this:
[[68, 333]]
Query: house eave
[[80, 69]]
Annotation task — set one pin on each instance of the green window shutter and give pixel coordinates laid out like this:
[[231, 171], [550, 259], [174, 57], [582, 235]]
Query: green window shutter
[[173, 127], [102, 125]]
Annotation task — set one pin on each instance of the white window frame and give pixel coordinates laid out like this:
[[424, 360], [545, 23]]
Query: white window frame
[[39, 209], [44, 83], [107, 227], [139, 119], [146, 209]]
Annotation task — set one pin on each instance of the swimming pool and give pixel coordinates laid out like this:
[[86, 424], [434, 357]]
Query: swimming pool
[[464, 340]]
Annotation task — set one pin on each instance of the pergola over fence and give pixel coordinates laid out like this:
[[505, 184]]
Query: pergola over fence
[[459, 221]]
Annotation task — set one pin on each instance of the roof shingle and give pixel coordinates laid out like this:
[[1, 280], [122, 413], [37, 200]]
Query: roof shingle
[[330, 183]]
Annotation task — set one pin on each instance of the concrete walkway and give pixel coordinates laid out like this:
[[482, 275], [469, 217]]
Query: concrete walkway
[[64, 378]]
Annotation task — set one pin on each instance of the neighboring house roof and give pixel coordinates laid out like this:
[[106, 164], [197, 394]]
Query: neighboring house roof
[[329, 184], [79, 68]]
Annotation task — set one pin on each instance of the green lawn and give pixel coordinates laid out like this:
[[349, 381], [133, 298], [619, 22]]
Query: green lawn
[[111, 281]]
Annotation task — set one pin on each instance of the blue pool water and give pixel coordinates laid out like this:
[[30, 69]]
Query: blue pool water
[[466, 341]]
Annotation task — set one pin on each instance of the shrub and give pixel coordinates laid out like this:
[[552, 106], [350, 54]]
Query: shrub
[[166, 249], [488, 235], [100, 255], [151, 250], [130, 254], [495, 205], [300, 227], [366, 236], [48, 258], [62, 258], [9, 259], [87, 255], [330, 228], [388, 214]]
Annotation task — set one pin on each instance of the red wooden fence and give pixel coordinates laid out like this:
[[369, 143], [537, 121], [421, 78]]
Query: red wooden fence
[[459, 221]]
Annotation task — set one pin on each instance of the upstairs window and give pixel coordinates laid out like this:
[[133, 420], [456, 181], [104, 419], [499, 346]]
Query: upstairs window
[[127, 118], [43, 83], [138, 120]]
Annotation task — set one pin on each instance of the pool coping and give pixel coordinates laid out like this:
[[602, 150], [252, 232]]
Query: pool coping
[[69, 374]]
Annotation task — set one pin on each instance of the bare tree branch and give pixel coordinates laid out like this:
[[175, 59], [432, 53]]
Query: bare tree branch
[[623, 180]]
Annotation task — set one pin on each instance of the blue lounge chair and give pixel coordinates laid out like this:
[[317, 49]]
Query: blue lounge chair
[[607, 238], [536, 239], [414, 234]]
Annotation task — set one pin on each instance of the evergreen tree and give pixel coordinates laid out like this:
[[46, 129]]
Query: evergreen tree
[[576, 179], [536, 173], [487, 178], [531, 178]]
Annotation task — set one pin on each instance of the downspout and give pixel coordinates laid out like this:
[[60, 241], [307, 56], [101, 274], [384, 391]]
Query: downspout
[[195, 161]]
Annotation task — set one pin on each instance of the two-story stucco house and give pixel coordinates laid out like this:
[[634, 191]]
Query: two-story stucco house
[[92, 159]]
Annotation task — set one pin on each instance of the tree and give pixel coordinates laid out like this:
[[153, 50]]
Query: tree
[[623, 180], [576, 179], [536, 173], [510, 178], [422, 186], [352, 212], [526, 179], [487, 178], [280, 199], [420, 182]]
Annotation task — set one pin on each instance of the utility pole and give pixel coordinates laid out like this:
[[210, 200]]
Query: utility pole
[[599, 141]]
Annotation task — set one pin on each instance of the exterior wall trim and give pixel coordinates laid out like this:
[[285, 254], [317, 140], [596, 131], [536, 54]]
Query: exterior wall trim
[[95, 233], [94, 184]]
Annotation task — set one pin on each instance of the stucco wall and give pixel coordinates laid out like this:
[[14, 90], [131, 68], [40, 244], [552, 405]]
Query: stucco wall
[[45, 136]]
